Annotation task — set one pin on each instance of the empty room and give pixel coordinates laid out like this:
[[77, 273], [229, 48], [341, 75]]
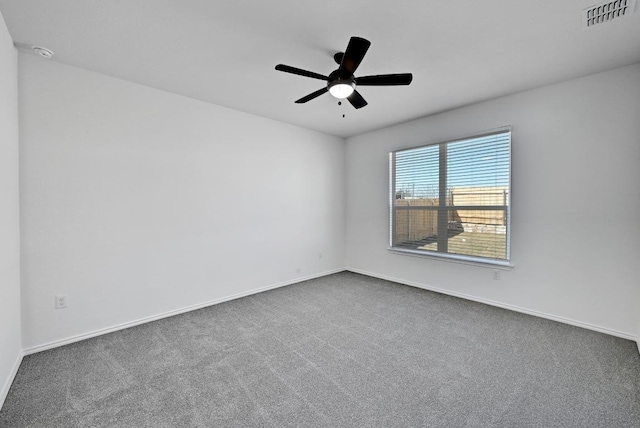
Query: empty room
[[303, 214]]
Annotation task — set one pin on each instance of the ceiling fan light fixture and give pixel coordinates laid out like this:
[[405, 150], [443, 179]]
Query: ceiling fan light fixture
[[341, 89]]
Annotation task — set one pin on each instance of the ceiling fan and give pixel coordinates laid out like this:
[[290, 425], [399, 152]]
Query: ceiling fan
[[341, 83]]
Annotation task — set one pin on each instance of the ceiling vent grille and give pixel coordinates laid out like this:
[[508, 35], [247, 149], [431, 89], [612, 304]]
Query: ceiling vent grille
[[608, 11]]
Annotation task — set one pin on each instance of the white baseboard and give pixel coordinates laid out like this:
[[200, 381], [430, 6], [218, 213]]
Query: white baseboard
[[88, 335], [77, 338], [514, 308], [12, 375]]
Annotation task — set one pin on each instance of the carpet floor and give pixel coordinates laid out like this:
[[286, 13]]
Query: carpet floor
[[344, 350]]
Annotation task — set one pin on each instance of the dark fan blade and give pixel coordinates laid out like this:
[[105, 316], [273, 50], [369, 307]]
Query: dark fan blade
[[300, 72], [385, 80], [312, 96], [356, 100], [353, 55]]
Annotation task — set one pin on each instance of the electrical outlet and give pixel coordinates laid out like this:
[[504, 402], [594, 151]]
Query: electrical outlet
[[496, 275], [61, 301]]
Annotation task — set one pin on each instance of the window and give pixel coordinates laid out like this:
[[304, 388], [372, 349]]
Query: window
[[452, 199]]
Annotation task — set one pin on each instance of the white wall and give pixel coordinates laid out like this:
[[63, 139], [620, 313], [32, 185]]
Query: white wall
[[137, 202], [10, 341], [575, 229]]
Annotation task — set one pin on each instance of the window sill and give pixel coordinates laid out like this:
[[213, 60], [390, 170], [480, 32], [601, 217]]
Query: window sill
[[454, 258]]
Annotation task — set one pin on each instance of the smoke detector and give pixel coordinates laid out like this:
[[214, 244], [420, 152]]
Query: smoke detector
[[43, 52], [605, 12]]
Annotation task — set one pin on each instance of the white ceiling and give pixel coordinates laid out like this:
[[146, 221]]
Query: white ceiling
[[224, 52]]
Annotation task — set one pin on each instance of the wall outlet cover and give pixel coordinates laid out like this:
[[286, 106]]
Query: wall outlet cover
[[61, 301]]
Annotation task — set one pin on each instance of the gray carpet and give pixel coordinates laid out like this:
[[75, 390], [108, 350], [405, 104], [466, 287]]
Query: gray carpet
[[341, 351]]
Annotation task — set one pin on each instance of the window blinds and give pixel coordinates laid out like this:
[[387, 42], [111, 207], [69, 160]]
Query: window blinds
[[453, 198]]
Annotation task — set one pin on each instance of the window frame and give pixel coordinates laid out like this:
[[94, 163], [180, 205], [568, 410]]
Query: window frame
[[446, 256]]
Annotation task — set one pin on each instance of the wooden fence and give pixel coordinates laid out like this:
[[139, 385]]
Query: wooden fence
[[481, 196], [413, 223]]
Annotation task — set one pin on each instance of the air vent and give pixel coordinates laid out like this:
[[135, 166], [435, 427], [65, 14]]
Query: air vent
[[608, 11]]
